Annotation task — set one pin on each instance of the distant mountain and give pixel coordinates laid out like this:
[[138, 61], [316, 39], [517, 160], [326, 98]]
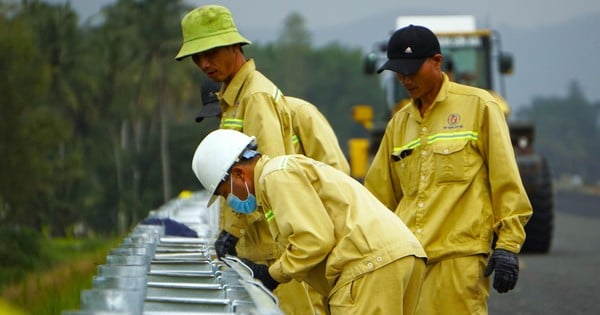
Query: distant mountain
[[546, 58]]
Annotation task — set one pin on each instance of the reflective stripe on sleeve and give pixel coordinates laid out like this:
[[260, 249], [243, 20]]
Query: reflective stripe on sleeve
[[232, 123], [269, 215]]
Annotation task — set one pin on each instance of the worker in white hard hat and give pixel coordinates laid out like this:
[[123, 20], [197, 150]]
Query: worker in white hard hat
[[337, 236], [252, 104], [313, 136]]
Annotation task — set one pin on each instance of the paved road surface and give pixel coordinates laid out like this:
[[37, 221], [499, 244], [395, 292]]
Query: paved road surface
[[567, 280]]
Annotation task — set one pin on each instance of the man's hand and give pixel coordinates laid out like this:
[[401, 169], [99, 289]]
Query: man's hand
[[261, 272], [505, 265], [225, 244]]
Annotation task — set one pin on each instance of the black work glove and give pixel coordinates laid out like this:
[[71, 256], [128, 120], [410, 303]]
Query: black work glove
[[505, 265], [225, 244], [261, 272]]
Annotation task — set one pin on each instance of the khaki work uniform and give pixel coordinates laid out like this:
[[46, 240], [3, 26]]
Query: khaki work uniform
[[252, 104], [338, 237], [313, 135], [452, 177]]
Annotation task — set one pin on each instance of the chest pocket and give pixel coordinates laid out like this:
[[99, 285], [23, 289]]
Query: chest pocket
[[450, 160]]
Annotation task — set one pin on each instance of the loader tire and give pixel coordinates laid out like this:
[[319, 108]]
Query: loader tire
[[539, 230]]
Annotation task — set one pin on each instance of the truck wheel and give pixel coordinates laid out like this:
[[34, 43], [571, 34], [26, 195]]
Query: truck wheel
[[539, 229]]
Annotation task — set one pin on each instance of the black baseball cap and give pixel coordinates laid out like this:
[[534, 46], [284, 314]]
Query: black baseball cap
[[210, 102], [408, 48]]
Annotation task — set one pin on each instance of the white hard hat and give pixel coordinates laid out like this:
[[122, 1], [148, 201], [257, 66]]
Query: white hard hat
[[215, 155]]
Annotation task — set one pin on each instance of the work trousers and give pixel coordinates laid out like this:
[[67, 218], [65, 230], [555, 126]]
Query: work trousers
[[393, 289], [455, 286]]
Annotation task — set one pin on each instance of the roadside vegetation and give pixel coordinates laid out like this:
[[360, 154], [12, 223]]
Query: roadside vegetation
[[42, 276]]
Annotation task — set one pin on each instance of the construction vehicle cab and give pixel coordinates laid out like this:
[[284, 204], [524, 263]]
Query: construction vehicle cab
[[471, 56]]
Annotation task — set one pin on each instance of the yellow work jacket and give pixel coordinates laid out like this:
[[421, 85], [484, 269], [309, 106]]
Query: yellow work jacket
[[252, 104], [313, 135], [451, 175], [333, 230]]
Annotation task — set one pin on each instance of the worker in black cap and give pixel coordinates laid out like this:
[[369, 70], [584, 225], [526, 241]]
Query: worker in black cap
[[210, 102], [447, 168]]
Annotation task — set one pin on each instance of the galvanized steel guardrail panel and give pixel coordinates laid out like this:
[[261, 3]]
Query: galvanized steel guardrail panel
[[153, 274]]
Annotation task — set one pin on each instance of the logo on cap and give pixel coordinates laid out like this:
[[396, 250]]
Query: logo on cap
[[408, 47]]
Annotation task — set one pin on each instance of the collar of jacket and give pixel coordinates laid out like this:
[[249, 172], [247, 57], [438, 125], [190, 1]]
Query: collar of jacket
[[231, 93], [441, 96], [258, 178]]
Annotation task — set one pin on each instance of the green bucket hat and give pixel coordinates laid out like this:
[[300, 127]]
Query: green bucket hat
[[208, 27]]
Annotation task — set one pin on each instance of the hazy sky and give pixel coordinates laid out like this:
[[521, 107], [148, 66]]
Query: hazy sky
[[318, 13], [522, 13]]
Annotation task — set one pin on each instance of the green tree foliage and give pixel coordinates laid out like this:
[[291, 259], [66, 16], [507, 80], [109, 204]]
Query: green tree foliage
[[59, 47], [20, 255], [101, 126], [292, 58], [31, 129], [138, 41], [330, 76], [33, 166]]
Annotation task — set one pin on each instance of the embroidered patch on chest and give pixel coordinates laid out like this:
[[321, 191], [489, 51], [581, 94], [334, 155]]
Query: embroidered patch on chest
[[454, 121]]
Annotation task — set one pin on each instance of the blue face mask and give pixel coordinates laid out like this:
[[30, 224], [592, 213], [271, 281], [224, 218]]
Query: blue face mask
[[241, 206]]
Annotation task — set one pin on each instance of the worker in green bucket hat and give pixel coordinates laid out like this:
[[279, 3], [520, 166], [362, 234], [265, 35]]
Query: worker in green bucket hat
[[252, 104], [208, 27]]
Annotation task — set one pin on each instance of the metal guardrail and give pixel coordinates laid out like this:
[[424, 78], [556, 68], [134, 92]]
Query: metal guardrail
[[151, 273]]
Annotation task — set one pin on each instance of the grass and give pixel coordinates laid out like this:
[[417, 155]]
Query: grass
[[56, 286]]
